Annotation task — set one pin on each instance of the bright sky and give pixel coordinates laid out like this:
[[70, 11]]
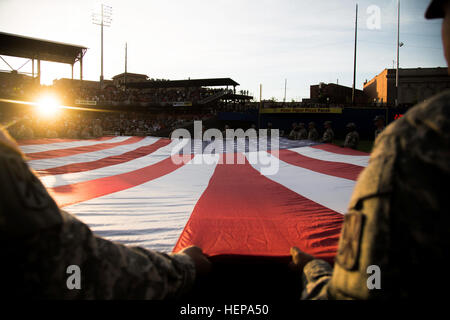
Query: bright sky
[[250, 41]]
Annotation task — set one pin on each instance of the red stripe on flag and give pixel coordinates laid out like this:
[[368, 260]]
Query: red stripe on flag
[[27, 142], [339, 150], [83, 191], [331, 168], [244, 213], [105, 162], [77, 150]]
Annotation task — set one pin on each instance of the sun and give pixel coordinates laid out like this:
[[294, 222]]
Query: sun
[[48, 106]]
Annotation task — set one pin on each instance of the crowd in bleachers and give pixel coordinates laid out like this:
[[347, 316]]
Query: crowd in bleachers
[[158, 96], [85, 125], [20, 87]]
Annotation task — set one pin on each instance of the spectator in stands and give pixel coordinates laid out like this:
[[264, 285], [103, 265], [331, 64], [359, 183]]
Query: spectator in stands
[[72, 132], [313, 135], [86, 132], [25, 131], [352, 137], [51, 134], [97, 130]]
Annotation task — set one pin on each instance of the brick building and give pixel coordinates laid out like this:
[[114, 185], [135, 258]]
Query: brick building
[[415, 85]]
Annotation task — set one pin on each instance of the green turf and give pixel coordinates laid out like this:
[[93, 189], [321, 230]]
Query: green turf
[[364, 145]]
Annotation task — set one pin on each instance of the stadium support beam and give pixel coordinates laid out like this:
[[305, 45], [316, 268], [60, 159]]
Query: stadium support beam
[[39, 71], [81, 70]]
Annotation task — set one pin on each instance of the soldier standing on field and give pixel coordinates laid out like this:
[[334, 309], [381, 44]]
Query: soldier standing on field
[[313, 135], [394, 241], [302, 134], [294, 130], [352, 137], [379, 124], [328, 135]]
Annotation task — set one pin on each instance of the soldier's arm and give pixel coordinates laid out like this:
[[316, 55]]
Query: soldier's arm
[[316, 274], [39, 242]]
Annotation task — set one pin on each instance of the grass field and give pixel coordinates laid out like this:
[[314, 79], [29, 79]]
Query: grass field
[[364, 145]]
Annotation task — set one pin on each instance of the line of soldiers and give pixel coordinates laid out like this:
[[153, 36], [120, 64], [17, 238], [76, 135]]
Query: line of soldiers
[[299, 132]]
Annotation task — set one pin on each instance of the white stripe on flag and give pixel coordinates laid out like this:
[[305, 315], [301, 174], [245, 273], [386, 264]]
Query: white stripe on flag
[[331, 192], [43, 164], [315, 153], [75, 177], [151, 215], [66, 145]]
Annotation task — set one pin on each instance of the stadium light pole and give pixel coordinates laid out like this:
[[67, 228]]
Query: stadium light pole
[[103, 19], [260, 106], [354, 57], [398, 52]]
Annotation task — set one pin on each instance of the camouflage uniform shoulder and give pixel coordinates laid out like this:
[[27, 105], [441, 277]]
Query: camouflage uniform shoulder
[[424, 131], [23, 192], [396, 218]]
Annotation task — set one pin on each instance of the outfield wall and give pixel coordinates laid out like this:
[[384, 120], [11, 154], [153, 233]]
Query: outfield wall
[[362, 117]]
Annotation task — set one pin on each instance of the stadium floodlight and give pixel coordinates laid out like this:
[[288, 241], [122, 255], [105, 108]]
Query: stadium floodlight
[[398, 55], [103, 19]]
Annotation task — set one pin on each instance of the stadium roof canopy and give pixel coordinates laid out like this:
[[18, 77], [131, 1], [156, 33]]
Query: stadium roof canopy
[[216, 82], [33, 48]]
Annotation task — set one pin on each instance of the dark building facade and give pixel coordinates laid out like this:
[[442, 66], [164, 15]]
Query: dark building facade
[[335, 94]]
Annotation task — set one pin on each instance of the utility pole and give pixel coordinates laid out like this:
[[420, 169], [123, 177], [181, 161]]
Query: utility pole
[[398, 52], [354, 57], [125, 74], [260, 106], [285, 85], [103, 19]]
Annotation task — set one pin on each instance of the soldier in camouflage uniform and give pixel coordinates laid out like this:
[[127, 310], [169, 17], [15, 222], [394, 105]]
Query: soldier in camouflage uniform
[[313, 135], [398, 215], [352, 138], [293, 133], [38, 242], [302, 134], [379, 123], [328, 135]]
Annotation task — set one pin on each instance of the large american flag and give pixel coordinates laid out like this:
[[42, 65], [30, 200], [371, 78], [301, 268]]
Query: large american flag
[[128, 189]]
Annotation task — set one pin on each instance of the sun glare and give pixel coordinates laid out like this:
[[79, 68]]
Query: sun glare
[[48, 106]]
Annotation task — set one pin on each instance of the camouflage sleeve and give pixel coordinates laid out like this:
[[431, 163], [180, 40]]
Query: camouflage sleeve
[[351, 140], [327, 136], [39, 242], [396, 227], [316, 276]]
